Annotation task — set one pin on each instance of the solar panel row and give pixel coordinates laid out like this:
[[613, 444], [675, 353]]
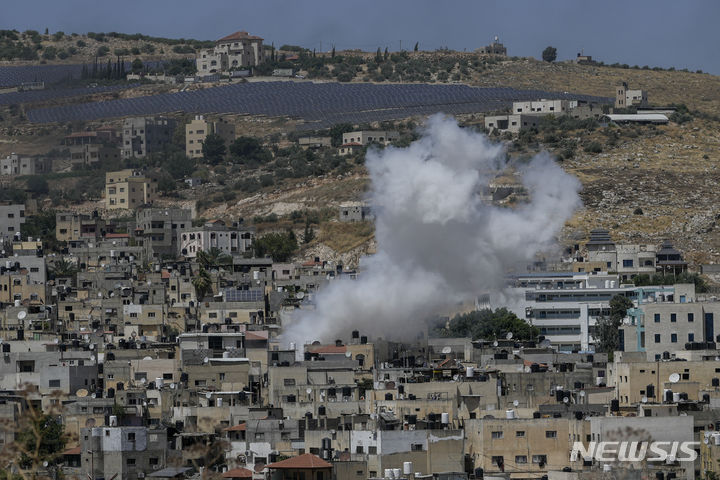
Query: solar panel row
[[320, 104], [50, 94], [12, 76]]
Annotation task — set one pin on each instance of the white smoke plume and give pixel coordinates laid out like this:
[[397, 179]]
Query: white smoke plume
[[438, 241]]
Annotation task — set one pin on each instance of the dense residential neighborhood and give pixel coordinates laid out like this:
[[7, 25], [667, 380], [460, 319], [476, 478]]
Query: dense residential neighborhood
[[243, 259]]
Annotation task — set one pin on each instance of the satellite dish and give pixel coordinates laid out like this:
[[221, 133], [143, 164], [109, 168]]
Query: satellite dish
[[133, 334], [99, 294], [495, 343], [57, 340], [515, 403], [582, 393], [509, 336], [147, 358], [348, 354], [172, 386], [300, 295], [674, 377], [566, 399], [142, 380], [45, 464], [644, 399], [81, 393], [308, 391], [206, 360], [92, 358], [545, 343], [21, 314], [93, 395], [92, 346], [208, 395], [446, 349]]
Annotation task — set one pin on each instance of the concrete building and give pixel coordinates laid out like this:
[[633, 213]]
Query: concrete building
[[12, 216], [144, 135], [355, 212], [625, 98], [199, 128], [365, 137], [314, 142], [235, 51], [14, 165], [495, 48], [233, 240], [627, 260], [128, 189], [545, 106], [158, 228], [130, 452], [88, 148], [512, 123], [75, 226]]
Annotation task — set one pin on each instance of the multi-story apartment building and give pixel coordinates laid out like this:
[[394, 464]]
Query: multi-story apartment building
[[75, 226], [234, 51], [233, 240], [625, 97], [199, 128], [128, 189], [12, 216], [158, 229], [87, 148], [144, 135]]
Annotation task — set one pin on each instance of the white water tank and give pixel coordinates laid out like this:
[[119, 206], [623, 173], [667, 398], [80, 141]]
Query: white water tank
[[510, 414], [676, 397], [292, 345], [388, 473], [397, 473], [218, 402], [607, 283], [469, 372], [113, 421], [256, 275], [17, 303], [716, 438], [407, 468], [159, 382], [607, 468], [444, 418]]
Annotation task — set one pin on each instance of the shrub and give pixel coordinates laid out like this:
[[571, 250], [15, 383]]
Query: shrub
[[593, 147]]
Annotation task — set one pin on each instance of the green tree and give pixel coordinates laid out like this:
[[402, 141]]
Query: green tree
[[213, 258], [63, 268], [249, 150], [37, 185], [415, 48], [214, 149], [607, 329], [549, 54], [309, 234], [487, 324], [202, 283], [40, 438], [336, 132], [279, 246], [137, 65]]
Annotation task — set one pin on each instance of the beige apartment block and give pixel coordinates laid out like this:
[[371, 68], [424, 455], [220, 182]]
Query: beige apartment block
[[128, 189]]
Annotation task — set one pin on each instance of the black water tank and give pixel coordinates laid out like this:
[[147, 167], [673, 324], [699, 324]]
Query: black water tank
[[537, 415], [111, 393], [401, 389], [346, 391], [291, 398], [579, 415], [563, 367], [669, 396], [388, 396], [659, 476], [578, 385], [363, 340], [332, 392], [307, 356], [615, 405], [120, 386], [6, 347], [321, 410], [650, 391], [411, 419], [715, 382], [355, 334]]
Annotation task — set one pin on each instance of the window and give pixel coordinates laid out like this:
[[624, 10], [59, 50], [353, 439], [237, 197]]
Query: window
[[550, 434], [539, 459], [520, 459], [130, 461], [657, 338], [498, 460], [673, 317], [673, 338], [153, 461], [657, 318], [520, 433], [627, 263], [359, 449], [416, 447], [691, 337], [131, 437], [372, 450], [691, 317], [288, 382], [496, 434], [54, 384]]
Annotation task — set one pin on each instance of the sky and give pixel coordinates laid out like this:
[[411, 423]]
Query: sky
[[680, 34]]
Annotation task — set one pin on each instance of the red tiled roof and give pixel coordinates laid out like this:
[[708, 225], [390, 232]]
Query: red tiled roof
[[241, 35], [307, 460], [238, 473], [292, 57], [261, 335], [164, 274], [237, 428], [328, 349], [73, 451]]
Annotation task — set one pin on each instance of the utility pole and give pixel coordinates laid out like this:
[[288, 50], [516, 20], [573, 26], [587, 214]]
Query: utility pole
[[400, 45]]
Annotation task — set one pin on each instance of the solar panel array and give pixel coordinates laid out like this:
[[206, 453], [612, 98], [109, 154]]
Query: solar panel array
[[32, 96], [319, 104], [12, 76], [234, 295]]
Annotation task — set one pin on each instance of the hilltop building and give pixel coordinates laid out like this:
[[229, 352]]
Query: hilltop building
[[128, 189], [235, 51], [199, 128], [495, 48], [625, 98], [141, 136]]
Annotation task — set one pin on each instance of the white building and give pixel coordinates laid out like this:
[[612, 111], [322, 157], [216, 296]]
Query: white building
[[232, 240], [11, 219], [237, 50]]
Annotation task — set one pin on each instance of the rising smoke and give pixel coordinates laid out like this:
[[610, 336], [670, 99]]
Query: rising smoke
[[438, 241]]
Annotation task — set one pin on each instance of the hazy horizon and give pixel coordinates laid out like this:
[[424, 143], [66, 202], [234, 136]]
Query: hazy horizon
[[644, 32]]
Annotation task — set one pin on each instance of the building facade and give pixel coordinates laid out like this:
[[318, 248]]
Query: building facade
[[141, 136], [199, 128], [235, 51], [233, 240]]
